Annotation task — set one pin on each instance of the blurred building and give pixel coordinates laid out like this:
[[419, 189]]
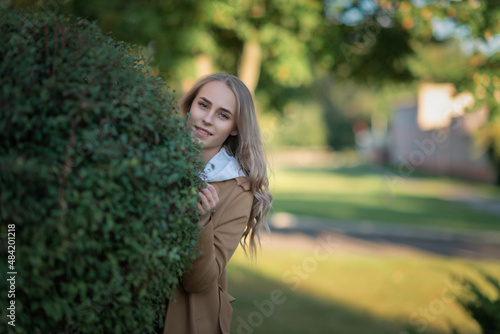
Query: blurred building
[[435, 135]]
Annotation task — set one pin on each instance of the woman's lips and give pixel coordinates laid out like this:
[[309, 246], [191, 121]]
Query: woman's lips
[[202, 132]]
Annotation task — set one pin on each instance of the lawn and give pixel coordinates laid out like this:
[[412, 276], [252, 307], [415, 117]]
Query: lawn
[[295, 290], [365, 193], [296, 287]]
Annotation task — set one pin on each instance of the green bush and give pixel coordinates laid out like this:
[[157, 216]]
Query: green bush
[[484, 309], [98, 178]]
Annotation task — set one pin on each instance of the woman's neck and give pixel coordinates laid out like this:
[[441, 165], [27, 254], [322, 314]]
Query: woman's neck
[[208, 154]]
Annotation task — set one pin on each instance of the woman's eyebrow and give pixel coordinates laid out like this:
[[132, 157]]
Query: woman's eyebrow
[[210, 102], [205, 99]]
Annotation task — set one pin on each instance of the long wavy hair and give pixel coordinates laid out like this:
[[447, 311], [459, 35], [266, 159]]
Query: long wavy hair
[[247, 148]]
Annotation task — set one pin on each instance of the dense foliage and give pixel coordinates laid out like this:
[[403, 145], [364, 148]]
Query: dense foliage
[[98, 180], [484, 309], [281, 49]]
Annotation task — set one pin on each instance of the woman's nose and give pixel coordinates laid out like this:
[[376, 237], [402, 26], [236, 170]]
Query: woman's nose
[[208, 118]]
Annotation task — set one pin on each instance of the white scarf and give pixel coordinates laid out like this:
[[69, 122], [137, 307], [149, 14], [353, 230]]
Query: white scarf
[[222, 167]]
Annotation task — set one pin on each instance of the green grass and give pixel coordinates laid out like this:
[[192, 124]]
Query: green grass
[[364, 194], [358, 292], [349, 293]]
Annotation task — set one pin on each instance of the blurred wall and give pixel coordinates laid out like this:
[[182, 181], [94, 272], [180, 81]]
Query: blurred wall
[[436, 136]]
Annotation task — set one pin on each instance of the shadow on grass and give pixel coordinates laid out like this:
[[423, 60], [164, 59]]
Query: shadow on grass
[[354, 171], [265, 306], [401, 209], [450, 248]]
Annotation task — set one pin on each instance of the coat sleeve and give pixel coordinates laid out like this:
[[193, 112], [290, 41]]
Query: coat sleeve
[[217, 243]]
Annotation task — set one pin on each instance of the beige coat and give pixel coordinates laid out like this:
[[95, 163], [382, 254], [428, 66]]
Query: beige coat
[[202, 304]]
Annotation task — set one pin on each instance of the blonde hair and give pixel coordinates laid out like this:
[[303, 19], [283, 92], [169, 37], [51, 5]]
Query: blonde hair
[[247, 148]]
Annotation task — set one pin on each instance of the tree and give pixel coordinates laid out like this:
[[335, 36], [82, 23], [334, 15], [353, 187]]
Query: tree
[[475, 24], [425, 23], [258, 40], [279, 48]]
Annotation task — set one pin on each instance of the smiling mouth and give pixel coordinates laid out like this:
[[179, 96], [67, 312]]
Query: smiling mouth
[[202, 132]]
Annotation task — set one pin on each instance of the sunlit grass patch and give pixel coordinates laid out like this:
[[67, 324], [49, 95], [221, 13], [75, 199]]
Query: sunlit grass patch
[[349, 293], [365, 195]]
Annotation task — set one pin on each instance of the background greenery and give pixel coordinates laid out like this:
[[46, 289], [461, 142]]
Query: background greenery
[[302, 50], [317, 68]]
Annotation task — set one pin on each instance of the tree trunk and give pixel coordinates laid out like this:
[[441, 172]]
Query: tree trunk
[[204, 67], [249, 68]]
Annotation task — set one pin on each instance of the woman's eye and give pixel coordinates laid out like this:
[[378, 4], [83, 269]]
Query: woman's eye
[[224, 115], [203, 105]]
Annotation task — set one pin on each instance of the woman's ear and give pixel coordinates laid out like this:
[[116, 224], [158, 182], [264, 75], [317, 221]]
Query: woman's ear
[[234, 132]]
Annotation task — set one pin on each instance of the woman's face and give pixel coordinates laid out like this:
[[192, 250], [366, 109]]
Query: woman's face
[[213, 116]]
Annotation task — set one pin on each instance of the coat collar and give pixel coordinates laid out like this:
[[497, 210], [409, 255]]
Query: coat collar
[[222, 167]]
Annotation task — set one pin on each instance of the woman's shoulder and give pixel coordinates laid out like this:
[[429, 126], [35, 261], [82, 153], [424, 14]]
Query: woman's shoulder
[[243, 182], [237, 184], [234, 194]]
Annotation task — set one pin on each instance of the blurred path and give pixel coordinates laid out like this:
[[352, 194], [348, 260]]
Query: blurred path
[[444, 241], [380, 236]]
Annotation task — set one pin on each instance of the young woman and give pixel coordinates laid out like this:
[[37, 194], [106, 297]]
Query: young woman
[[221, 114]]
